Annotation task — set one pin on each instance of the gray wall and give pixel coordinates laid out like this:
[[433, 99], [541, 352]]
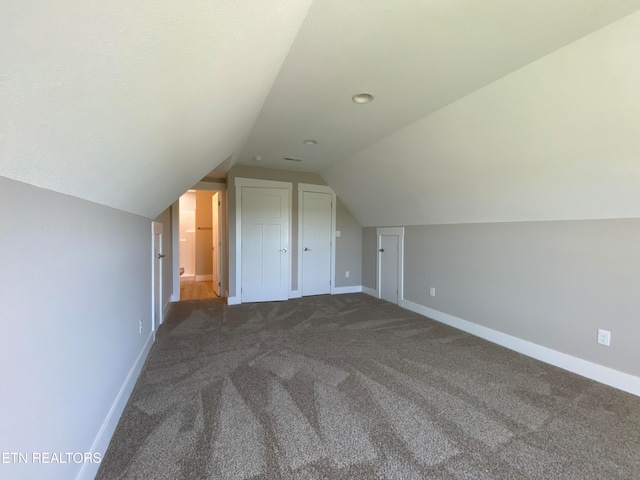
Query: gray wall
[[76, 278], [348, 248], [551, 283], [348, 245], [369, 257]]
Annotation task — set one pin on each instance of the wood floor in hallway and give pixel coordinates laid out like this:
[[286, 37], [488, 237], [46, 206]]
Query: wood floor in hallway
[[193, 290]]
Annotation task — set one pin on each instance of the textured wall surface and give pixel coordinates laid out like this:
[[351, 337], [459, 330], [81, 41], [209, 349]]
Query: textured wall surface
[[76, 283], [348, 248], [551, 283], [369, 257]]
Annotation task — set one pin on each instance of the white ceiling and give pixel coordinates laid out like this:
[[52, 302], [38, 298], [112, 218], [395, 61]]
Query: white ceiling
[[414, 56], [130, 104], [555, 140]]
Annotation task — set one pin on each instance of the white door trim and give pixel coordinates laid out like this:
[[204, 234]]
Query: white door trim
[[306, 187], [156, 303], [254, 182], [175, 237], [216, 207], [222, 232], [175, 250], [399, 232]]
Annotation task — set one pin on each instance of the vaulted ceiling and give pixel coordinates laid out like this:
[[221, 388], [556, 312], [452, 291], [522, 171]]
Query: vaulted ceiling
[[484, 111], [414, 56], [130, 103]]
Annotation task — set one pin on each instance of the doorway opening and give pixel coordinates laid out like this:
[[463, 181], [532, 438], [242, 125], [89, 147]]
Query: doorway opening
[[201, 246], [390, 264], [316, 234]]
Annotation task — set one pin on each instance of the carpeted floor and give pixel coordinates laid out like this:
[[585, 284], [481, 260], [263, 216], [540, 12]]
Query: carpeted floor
[[350, 387]]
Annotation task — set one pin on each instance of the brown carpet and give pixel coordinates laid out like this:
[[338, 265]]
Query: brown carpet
[[344, 387]]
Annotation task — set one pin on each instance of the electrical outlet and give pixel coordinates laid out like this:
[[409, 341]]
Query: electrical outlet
[[337, 233], [346, 274], [604, 337], [432, 291], [140, 324]]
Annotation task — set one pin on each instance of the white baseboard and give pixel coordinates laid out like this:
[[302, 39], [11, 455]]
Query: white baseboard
[[175, 298], [298, 293], [371, 291], [203, 278], [101, 442], [608, 376], [349, 289], [188, 278]]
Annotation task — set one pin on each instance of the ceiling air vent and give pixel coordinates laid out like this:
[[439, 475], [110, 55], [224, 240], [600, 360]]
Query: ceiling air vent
[[290, 159]]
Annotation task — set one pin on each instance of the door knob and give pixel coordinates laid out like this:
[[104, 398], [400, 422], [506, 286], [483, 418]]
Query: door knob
[[381, 250], [283, 250], [160, 255], [307, 249]]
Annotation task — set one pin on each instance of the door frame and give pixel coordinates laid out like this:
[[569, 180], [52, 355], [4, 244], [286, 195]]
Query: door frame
[[239, 183], [307, 187], [217, 249], [175, 237], [175, 251], [391, 231], [156, 303]]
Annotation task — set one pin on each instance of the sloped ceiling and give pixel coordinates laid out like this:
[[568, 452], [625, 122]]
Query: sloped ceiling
[[129, 104], [414, 56], [556, 140]]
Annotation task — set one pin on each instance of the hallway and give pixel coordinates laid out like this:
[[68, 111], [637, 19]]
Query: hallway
[[196, 290]]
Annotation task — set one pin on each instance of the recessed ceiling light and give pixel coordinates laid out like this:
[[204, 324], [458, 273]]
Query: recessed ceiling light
[[362, 98], [310, 142]]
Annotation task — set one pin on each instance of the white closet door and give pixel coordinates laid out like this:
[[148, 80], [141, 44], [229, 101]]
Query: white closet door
[[389, 267], [265, 244], [316, 243]]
